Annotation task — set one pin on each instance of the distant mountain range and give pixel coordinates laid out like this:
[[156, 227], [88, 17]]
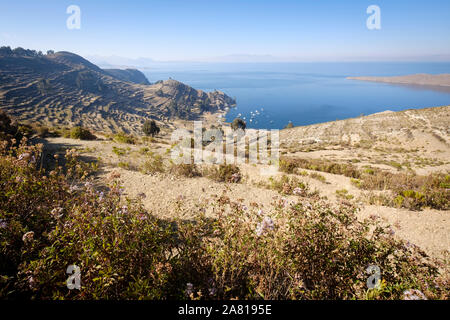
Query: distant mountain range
[[65, 89]]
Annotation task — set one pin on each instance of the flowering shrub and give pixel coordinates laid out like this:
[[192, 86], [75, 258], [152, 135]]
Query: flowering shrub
[[305, 250]]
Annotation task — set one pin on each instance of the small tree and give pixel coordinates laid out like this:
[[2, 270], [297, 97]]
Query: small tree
[[238, 123], [289, 125], [150, 128]]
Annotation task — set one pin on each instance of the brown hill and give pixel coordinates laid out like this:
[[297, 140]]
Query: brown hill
[[65, 89]]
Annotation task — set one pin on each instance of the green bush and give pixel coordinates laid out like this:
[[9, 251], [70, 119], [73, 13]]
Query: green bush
[[150, 128], [81, 133], [122, 137], [118, 151]]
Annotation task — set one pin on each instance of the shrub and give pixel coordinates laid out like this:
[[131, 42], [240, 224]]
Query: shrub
[[288, 185], [398, 201], [124, 165], [42, 131], [122, 252], [317, 176], [285, 255], [289, 125], [343, 193], [187, 170], [238, 123], [154, 164], [224, 173], [289, 165], [122, 137], [31, 203], [411, 191], [150, 128], [118, 151], [81, 134], [356, 182]]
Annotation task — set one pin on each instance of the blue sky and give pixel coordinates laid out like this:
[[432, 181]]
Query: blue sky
[[287, 30]]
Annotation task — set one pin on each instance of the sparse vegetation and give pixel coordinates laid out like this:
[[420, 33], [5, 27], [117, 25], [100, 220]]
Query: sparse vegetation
[[430, 190], [290, 165], [118, 151], [126, 253], [318, 176], [343, 193], [288, 185], [153, 164], [124, 165]]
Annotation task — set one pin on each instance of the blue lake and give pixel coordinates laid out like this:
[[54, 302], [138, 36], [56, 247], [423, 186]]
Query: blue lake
[[306, 93]]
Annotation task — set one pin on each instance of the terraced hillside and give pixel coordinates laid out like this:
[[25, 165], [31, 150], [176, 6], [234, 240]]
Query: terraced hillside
[[65, 89]]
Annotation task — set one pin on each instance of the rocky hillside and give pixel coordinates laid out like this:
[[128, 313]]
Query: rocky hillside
[[130, 75], [431, 121], [65, 89]]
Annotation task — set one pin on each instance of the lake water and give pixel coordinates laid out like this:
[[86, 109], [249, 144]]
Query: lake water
[[272, 94]]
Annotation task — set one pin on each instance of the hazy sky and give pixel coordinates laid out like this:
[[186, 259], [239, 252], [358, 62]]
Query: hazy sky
[[214, 29]]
